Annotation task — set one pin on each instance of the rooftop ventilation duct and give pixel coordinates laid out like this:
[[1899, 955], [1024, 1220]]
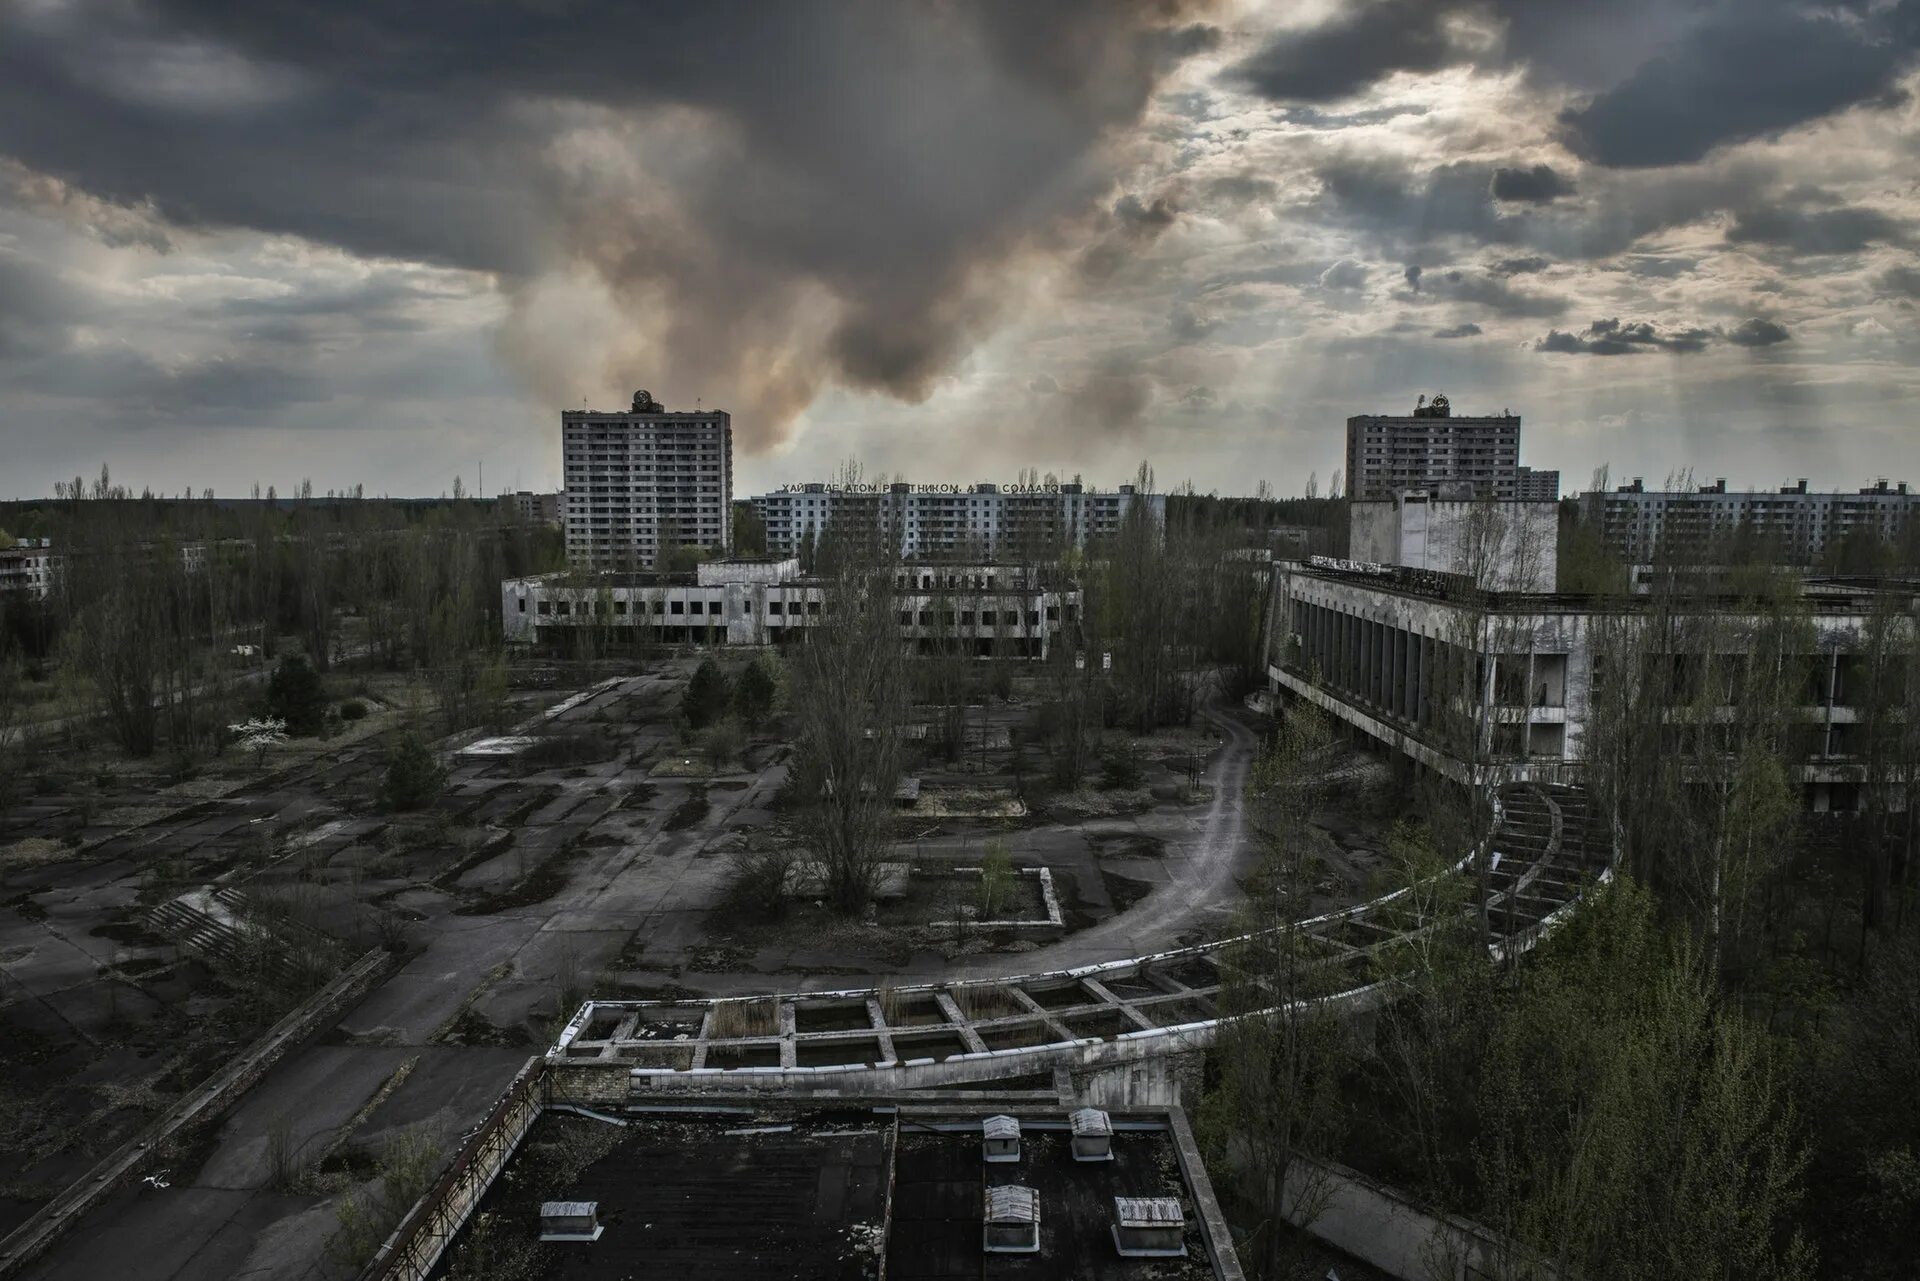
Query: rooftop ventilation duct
[[570, 1221], [1000, 1143], [1149, 1227], [1012, 1221], [1092, 1135]]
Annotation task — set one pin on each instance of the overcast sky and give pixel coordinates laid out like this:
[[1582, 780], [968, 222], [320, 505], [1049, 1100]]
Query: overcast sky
[[378, 243]]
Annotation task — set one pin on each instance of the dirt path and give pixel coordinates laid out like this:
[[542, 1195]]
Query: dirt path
[[1200, 892]]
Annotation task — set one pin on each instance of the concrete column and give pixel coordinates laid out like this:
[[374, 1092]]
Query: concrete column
[[1364, 685], [1377, 663], [1400, 673], [1422, 677], [1833, 688]]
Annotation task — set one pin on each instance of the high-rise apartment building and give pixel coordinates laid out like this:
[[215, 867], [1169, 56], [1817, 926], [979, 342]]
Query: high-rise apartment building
[[642, 482], [1431, 449], [1533, 485], [1642, 525], [980, 522]]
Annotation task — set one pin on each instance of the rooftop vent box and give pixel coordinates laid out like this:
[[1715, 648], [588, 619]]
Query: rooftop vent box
[[1092, 1135], [1149, 1227], [1012, 1221], [1001, 1142], [570, 1221]]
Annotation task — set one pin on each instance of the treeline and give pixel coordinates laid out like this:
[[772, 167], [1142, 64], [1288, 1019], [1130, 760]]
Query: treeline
[[154, 603], [1261, 513]]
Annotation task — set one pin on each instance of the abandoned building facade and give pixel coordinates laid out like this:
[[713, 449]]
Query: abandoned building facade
[[1432, 447], [987, 521], [1500, 544], [1392, 652], [641, 482], [1799, 526], [988, 611]]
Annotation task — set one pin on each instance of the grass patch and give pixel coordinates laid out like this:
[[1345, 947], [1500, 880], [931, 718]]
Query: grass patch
[[34, 851], [758, 1016], [980, 1001]]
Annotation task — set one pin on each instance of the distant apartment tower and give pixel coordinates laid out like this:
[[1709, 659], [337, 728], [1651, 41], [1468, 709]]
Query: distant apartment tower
[[28, 567], [642, 482], [531, 508], [946, 521], [1433, 450], [1535, 486], [1642, 525]]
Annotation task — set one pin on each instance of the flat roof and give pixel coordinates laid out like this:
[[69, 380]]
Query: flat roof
[[1823, 595], [824, 1192], [942, 1187]]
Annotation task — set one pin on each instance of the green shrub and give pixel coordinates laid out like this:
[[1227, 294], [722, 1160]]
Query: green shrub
[[721, 742], [1121, 770], [754, 692], [706, 697], [296, 695], [996, 879], [414, 774], [353, 710], [756, 888]]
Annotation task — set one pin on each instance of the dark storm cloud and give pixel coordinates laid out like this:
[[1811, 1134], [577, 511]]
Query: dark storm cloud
[[1539, 185], [1411, 274], [1351, 50], [1383, 196], [1844, 230], [1757, 333], [1612, 338], [1137, 217], [1467, 330], [1490, 292], [1405, 209], [1749, 71], [1671, 81], [1904, 281], [883, 156], [1658, 266], [1134, 224], [1525, 265]]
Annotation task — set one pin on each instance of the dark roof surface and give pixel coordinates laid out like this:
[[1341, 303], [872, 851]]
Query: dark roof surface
[[688, 1199], [693, 1196], [939, 1194]]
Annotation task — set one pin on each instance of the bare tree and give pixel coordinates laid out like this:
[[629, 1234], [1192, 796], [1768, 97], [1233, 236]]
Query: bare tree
[[849, 699]]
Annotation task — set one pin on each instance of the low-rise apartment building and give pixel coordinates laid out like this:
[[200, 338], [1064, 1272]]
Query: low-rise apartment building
[[982, 521], [27, 567], [987, 611], [1641, 525]]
